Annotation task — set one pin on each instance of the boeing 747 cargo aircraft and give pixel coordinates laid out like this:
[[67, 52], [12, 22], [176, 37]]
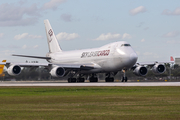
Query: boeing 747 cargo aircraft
[[108, 59]]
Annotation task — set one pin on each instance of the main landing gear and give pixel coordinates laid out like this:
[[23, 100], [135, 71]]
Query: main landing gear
[[71, 80], [93, 78], [79, 79], [109, 78], [74, 80], [124, 78]]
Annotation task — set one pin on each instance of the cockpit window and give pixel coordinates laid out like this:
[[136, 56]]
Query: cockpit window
[[125, 45]]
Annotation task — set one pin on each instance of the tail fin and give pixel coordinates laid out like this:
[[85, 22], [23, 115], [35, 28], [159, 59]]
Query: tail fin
[[51, 38], [171, 59], [2, 68]]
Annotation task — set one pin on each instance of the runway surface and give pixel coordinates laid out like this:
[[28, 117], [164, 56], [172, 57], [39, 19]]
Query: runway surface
[[51, 83]]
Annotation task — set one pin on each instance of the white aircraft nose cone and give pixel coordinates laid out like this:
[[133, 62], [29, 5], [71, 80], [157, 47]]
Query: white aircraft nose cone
[[133, 57]]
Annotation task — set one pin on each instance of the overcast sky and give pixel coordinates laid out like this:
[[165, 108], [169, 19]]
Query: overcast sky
[[152, 27]]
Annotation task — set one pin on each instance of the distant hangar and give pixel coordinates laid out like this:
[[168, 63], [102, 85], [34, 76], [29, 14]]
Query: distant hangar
[[177, 61]]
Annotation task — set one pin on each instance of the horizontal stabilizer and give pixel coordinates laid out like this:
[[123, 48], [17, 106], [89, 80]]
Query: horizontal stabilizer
[[47, 58]]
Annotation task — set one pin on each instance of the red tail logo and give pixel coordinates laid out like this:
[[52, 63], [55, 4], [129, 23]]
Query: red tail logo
[[171, 58]]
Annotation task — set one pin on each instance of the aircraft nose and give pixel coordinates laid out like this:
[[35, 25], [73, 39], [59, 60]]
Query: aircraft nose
[[133, 57]]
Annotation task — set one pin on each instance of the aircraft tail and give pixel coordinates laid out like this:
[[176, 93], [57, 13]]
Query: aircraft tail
[[51, 38], [2, 68], [171, 59]]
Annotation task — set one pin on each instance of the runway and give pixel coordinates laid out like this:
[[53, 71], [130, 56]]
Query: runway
[[51, 83]]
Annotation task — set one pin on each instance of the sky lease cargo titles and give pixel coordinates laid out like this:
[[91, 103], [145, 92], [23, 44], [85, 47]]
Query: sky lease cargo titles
[[95, 53]]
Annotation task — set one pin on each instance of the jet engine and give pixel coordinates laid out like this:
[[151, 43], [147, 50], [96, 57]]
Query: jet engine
[[159, 68], [14, 70], [140, 71], [58, 72]]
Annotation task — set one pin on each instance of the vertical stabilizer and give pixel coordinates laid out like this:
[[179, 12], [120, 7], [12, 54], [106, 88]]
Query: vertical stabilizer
[[51, 38], [171, 59]]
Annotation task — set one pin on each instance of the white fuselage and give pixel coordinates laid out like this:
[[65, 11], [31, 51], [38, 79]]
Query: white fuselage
[[112, 57]]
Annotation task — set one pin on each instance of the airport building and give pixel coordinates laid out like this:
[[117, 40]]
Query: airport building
[[177, 61]]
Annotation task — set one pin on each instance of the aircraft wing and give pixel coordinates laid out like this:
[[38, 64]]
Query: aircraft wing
[[153, 62], [7, 64], [140, 68], [85, 66], [47, 58], [56, 70]]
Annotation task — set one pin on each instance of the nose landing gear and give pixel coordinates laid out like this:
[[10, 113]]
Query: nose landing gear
[[110, 76]]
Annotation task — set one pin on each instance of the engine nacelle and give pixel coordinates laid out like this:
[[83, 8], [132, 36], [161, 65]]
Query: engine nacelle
[[159, 68], [14, 70], [57, 72], [140, 71]]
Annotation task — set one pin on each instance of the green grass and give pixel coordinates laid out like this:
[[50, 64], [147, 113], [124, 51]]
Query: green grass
[[96, 103]]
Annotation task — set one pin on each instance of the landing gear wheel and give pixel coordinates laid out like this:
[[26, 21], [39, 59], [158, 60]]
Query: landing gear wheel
[[80, 80], [109, 79], [71, 80], [93, 79]]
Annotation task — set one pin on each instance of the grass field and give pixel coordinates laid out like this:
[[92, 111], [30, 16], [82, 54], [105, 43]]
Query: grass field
[[97, 103]]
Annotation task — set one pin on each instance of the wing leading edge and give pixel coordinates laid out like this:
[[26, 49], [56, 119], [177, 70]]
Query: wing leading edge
[[39, 57]]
